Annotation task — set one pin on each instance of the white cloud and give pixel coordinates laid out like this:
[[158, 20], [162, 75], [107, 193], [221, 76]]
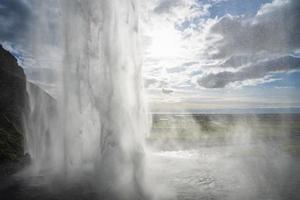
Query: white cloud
[[251, 73], [184, 48], [171, 52], [275, 29], [256, 47]]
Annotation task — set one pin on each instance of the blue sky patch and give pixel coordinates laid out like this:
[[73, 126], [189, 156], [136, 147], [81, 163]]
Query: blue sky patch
[[236, 7]]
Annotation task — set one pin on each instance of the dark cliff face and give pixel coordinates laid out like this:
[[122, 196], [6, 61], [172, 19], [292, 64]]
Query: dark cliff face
[[15, 111], [13, 105]]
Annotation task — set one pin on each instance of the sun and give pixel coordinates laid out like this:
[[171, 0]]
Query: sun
[[165, 44]]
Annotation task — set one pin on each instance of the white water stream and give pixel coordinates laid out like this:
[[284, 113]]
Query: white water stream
[[99, 119]]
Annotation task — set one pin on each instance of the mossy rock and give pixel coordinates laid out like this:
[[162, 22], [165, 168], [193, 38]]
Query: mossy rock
[[11, 141]]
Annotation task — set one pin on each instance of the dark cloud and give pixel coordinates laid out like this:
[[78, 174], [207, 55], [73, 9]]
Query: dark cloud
[[275, 29], [15, 16], [256, 71], [149, 81], [236, 61], [165, 6]]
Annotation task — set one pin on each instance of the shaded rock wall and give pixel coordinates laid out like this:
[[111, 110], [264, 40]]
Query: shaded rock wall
[[14, 106], [13, 98]]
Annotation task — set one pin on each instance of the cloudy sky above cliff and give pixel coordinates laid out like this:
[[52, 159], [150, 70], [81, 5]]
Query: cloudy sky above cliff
[[203, 53]]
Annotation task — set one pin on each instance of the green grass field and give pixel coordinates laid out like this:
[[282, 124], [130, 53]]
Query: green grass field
[[220, 129]]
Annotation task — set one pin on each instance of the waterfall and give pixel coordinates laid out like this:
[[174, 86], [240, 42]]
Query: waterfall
[[98, 120]]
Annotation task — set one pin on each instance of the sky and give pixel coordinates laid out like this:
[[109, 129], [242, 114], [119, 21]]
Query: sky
[[197, 54]]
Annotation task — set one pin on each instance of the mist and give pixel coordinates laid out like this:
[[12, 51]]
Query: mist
[[225, 156]]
